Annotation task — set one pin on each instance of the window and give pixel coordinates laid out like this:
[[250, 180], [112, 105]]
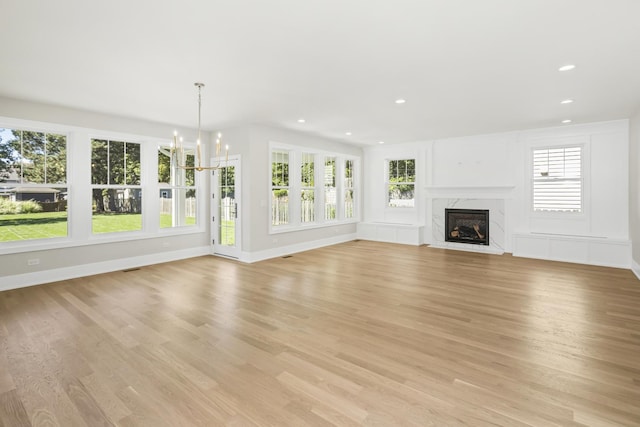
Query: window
[[307, 184], [329, 188], [323, 184], [33, 185], [116, 189], [348, 189], [279, 188], [401, 178], [178, 205], [557, 179]]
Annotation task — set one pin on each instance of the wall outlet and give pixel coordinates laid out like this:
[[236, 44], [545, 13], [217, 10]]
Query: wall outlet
[[33, 261]]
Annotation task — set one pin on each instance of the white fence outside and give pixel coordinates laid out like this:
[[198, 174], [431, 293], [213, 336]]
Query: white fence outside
[[189, 206]]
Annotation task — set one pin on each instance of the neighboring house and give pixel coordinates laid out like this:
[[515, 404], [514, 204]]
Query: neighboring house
[[42, 195], [7, 185]]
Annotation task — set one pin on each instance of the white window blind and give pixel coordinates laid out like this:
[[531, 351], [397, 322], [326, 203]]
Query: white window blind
[[557, 179]]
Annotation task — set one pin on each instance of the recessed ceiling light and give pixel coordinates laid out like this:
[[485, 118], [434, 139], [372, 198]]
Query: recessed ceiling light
[[400, 101], [567, 67], [380, 142], [566, 101], [566, 121], [301, 120], [348, 133]]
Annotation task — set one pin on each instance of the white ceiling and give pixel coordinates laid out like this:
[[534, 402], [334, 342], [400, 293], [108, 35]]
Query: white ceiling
[[464, 66]]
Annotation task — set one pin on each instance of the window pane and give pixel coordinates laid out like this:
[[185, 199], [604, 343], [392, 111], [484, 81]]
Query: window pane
[[56, 161], [307, 170], [33, 157], [557, 181], [348, 204], [401, 195], [330, 188], [402, 175], [280, 207], [178, 207], [132, 164], [280, 169], [116, 163], [33, 213], [348, 174], [307, 206], [99, 161], [116, 210]]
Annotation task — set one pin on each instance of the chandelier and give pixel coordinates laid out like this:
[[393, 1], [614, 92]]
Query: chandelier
[[177, 148]]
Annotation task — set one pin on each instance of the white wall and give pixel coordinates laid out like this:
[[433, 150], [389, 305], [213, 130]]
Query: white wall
[[634, 189], [252, 143], [92, 255], [496, 167]]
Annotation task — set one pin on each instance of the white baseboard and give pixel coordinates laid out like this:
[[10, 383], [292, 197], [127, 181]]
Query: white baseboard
[[250, 257], [635, 267], [66, 273]]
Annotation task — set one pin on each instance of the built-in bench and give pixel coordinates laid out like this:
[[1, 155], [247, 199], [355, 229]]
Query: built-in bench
[[408, 234]]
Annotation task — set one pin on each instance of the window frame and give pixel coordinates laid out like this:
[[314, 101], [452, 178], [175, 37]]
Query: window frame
[[190, 150], [580, 180], [16, 246], [123, 187], [295, 187], [79, 209], [387, 183]]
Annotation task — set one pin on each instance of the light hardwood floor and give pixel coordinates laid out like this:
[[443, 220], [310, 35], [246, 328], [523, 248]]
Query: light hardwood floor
[[361, 333]]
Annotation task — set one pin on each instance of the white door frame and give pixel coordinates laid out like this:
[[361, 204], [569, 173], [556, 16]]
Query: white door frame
[[216, 248]]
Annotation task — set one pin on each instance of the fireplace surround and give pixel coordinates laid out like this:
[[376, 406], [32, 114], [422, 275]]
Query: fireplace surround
[[467, 226]]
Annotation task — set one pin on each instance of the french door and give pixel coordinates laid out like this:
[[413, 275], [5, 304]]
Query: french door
[[225, 209]]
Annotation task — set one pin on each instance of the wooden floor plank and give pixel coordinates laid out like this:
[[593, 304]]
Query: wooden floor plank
[[361, 333]]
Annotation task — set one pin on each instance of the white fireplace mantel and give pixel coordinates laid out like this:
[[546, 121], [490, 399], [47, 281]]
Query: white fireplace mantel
[[470, 192]]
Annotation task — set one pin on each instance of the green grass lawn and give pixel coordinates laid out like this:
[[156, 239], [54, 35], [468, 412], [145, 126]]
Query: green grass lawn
[[165, 220], [114, 223], [45, 225], [41, 225]]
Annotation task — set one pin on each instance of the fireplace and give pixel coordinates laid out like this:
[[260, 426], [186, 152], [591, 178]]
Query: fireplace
[[467, 226]]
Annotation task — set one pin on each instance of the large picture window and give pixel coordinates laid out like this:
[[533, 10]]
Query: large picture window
[[33, 185], [557, 179], [279, 188], [116, 186], [401, 179]]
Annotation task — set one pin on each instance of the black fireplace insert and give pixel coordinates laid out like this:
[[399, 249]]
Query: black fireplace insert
[[467, 226]]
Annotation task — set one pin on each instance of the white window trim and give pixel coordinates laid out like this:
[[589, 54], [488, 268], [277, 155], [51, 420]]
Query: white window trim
[[387, 183], [574, 141], [295, 188], [79, 186]]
